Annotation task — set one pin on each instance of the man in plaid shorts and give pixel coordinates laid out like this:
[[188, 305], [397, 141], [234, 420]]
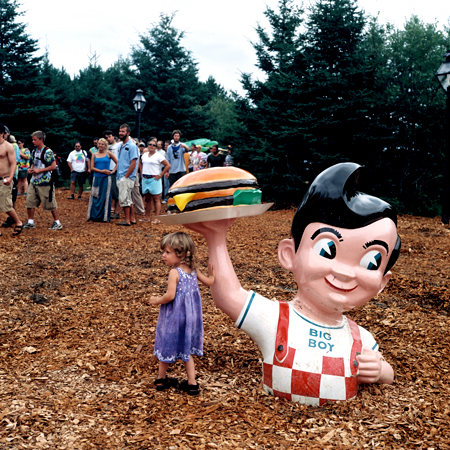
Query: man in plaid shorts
[[343, 244]]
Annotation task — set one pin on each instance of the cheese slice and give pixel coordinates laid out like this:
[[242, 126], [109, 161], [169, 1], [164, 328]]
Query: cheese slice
[[183, 199]]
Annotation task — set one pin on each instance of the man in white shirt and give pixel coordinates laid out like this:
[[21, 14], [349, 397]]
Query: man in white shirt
[[78, 163]]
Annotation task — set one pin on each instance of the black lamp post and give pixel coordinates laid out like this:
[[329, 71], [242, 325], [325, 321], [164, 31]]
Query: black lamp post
[[139, 105], [443, 76]]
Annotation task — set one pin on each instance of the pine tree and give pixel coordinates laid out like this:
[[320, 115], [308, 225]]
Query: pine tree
[[339, 82], [18, 65], [414, 109], [168, 74], [272, 148], [313, 108], [50, 108], [120, 88], [90, 104]]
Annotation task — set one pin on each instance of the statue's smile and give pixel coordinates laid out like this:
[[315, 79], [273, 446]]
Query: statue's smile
[[340, 289]]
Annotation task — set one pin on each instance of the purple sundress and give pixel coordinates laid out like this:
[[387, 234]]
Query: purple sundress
[[179, 332]]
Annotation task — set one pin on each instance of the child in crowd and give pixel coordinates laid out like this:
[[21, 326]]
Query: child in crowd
[[179, 332]]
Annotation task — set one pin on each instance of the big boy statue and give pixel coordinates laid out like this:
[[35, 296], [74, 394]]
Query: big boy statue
[[343, 244]]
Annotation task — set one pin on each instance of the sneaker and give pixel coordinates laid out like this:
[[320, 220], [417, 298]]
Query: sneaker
[[163, 202], [29, 225], [72, 197], [55, 226]]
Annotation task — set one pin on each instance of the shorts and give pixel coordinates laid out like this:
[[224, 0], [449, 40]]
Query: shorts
[[114, 189], [39, 194], [78, 176], [23, 173], [151, 186], [6, 203], [125, 186]]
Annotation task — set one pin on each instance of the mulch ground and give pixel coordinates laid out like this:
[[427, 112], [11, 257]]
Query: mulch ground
[[76, 345]]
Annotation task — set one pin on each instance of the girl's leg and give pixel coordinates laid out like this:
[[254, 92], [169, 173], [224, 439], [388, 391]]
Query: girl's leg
[[157, 202], [190, 370], [25, 185], [162, 369], [148, 206], [151, 203]]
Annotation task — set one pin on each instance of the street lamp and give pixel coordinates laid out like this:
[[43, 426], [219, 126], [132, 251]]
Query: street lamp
[[443, 76], [139, 105]]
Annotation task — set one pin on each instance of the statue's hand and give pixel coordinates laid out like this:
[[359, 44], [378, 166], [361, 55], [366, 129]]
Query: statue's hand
[[211, 228], [370, 366]]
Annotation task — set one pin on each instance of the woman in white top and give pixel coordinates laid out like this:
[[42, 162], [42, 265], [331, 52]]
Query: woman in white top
[[150, 164]]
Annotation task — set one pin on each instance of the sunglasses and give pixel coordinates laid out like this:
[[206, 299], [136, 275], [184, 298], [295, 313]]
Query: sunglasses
[[152, 145]]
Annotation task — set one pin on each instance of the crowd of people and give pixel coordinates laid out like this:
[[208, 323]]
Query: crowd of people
[[123, 172], [125, 175]]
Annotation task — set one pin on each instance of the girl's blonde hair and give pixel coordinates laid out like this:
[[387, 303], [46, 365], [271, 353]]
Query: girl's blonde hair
[[105, 142], [183, 245]]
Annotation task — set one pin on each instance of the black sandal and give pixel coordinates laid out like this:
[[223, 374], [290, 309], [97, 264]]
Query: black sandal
[[17, 230], [165, 383], [190, 389]]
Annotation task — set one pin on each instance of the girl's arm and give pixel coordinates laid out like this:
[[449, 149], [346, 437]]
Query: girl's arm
[[166, 165], [92, 164], [207, 280], [171, 290], [111, 156]]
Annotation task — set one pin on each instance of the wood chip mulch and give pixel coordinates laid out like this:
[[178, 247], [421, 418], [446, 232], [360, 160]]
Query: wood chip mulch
[[76, 345]]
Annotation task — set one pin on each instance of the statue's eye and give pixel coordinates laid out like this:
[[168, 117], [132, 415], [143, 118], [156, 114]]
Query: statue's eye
[[371, 260], [325, 248]]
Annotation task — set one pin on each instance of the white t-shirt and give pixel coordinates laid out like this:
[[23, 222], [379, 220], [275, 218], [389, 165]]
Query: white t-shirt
[[114, 149], [151, 165], [78, 160], [162, 153], [311, 346]]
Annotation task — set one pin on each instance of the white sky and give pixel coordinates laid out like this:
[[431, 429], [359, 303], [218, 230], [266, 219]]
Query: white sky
[[217, 33]]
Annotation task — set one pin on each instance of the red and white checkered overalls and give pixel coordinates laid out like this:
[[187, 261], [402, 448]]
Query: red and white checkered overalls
[[308, 387]]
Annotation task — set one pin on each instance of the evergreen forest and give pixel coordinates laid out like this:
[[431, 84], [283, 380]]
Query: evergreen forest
[[337, 86]]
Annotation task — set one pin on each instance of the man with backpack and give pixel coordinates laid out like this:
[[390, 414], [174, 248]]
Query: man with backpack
[[41, 189], [79, 165]]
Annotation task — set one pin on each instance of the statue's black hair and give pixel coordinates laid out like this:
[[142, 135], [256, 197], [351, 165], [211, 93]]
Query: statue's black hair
[[333, 199]]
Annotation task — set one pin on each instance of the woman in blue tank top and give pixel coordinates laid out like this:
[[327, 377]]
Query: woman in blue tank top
[[99, 209]]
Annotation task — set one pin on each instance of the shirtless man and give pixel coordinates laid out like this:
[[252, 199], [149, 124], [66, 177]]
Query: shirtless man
[[7, 170]]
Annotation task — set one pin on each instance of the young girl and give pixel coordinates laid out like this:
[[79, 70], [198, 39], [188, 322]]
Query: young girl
[[179, 333]]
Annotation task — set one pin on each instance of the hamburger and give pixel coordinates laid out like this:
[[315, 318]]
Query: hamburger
[[211, 188]]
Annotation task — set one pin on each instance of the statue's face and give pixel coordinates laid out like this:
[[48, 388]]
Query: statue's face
[[338, 269]]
